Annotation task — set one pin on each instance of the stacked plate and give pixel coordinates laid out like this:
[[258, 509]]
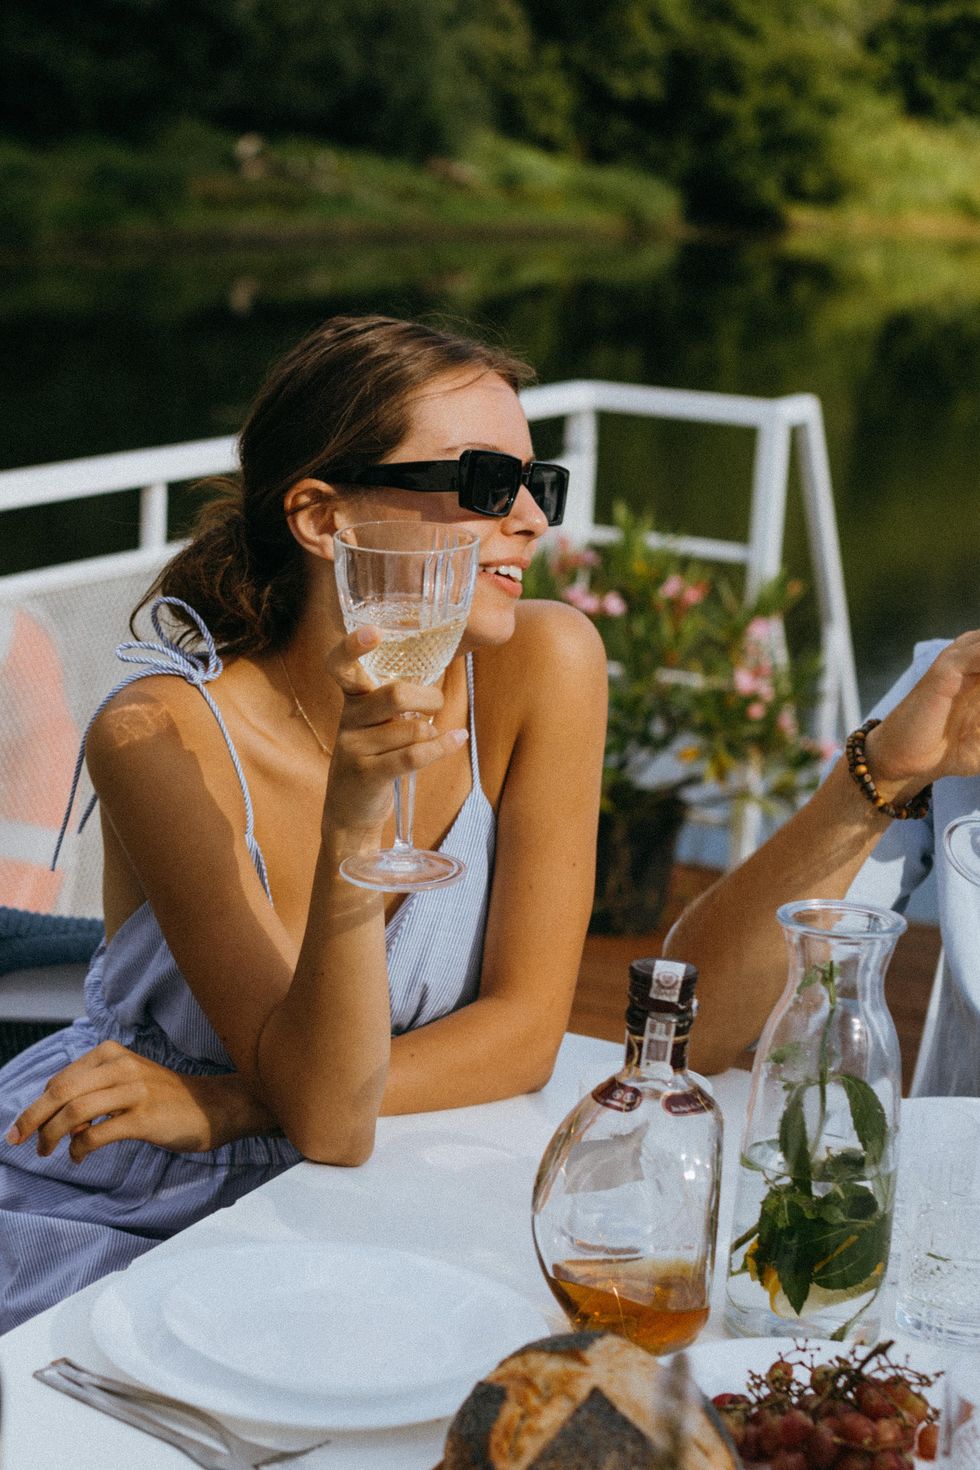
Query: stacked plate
[[310, 1334]]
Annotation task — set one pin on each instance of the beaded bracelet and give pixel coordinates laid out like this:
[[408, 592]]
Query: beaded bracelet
[[857, 764]]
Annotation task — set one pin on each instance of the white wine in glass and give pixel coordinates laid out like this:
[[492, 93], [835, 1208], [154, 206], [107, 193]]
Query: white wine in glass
[[414, 582]]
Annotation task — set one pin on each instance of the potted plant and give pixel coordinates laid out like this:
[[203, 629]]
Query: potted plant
[[699, 696]]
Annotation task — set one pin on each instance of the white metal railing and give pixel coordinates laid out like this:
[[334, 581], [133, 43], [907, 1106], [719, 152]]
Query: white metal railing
[[782, 426]]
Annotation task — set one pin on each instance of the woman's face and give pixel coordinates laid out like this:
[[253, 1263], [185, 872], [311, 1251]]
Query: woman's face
[[463, 410]]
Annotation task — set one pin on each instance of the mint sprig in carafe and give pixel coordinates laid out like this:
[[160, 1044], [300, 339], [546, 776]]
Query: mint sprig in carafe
[[815, 1190]]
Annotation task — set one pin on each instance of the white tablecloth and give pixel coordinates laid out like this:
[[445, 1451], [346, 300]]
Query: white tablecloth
[[455, 1185]]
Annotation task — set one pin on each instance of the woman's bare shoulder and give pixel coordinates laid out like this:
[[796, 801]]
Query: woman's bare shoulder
[[150, 720], [557, 640]]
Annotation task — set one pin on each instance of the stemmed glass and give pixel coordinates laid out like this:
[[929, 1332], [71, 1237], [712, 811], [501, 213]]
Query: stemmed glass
[[962, 840], [413, 581]]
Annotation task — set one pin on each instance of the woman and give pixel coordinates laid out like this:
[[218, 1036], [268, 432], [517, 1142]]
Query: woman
[[923, 757], [249, 1006]]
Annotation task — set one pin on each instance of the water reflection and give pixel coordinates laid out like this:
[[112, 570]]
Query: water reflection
[[98, 357]]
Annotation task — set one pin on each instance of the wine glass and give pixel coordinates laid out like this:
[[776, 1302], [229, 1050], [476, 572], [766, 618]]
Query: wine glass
[[962, 842], [413, 581]]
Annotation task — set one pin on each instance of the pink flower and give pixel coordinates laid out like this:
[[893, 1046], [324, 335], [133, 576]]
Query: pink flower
[[746, 681], [568, 558], [759, 631], [673, 587], [582, 598], [786, 720], [756, 710], [694, 594], [613, 605]]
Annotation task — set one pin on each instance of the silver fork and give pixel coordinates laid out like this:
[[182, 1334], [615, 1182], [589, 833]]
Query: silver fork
[[202, 1438]]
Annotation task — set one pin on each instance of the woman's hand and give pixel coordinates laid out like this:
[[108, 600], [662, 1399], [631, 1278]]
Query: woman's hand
[[935, 730], [385, 731], [112, 1093]]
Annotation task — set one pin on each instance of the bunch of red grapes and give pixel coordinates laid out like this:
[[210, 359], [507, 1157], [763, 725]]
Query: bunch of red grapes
[[842, 1415]]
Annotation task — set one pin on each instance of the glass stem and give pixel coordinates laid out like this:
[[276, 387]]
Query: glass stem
[[404, 812]]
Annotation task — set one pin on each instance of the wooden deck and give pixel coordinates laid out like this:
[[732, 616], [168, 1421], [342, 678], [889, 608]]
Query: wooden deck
[[600, 998]]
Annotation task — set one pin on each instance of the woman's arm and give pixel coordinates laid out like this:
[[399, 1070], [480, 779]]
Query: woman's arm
[[503, 1043], [731, 932], [307, 1027], [552, 676]]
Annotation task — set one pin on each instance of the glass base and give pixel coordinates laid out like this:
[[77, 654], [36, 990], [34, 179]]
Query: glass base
[[938, 1324], [760, 1322], [394, 870]]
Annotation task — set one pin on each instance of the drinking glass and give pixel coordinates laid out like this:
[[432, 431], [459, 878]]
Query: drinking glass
[[414, 582], [962, 840], [939, 1223], [960, 1423]]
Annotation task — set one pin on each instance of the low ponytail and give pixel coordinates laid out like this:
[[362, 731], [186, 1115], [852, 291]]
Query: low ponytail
[[244, 581]]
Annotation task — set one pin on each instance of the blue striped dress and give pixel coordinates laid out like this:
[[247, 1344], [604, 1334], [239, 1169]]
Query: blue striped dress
[[63, 1225]]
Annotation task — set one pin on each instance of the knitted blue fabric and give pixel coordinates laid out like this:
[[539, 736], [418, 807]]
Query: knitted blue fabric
[[28, 939]]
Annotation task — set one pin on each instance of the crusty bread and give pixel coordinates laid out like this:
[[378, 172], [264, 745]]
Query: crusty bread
[[587, 1401]]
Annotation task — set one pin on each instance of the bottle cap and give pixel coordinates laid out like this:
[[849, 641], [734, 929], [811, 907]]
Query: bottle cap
[[665, 986]]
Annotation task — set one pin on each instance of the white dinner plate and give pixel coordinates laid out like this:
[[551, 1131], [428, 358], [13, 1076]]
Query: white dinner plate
[[723, 1367], [310, 1334]]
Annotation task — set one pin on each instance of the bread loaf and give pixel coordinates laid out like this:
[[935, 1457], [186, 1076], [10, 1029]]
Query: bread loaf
[[587, 1401]]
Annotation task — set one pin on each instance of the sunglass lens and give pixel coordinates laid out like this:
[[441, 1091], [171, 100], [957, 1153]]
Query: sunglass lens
[[493, 482], [548, 484]]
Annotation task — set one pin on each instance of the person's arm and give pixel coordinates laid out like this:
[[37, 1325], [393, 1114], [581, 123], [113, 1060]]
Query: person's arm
[[308, 1044], [731, 932], [505, 1042]]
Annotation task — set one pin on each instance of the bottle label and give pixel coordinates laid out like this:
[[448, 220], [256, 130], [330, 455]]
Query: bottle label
[[617, 1095], [658, 1039], [666, 980], [682, 1103]]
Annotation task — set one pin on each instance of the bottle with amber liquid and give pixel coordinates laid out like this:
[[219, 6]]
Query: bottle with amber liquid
[[625, 1205]]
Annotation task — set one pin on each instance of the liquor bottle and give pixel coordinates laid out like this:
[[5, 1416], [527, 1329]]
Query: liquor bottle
[[625, 1205]]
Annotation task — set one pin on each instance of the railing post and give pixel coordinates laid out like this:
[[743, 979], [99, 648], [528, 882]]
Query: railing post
[[839, 691], [153, 514], [770, 472], [579, 453]]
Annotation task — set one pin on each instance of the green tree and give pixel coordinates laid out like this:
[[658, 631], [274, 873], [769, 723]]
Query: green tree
[[930, 50], [739, 102]]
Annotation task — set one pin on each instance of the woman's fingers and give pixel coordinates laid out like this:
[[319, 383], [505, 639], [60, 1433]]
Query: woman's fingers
[[79, 1113], [390, 702], [344, 660], [95, 1135], [105, 1065], [413, 754]]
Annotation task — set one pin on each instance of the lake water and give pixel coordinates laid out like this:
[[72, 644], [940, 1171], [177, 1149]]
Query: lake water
[[97, 357]]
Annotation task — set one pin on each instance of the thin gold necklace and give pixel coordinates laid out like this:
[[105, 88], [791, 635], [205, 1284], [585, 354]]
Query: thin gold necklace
[[299, 708]]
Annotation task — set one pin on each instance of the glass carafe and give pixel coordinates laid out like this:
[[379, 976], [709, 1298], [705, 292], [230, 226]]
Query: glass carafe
[[815, 1186]]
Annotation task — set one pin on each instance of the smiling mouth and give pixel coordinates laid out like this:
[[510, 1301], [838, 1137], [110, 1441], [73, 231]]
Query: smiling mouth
[[507, 578]]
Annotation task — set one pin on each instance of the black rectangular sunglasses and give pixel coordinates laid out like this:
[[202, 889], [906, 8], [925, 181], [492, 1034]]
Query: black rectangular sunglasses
[[485, 481]]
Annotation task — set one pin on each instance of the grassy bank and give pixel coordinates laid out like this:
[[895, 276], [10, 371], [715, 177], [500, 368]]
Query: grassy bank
[[205, 189], [202, 187]]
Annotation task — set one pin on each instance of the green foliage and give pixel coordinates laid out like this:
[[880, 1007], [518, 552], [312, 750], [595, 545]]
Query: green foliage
[[738, 102], [930, 53], [695, 671], [746, 107]]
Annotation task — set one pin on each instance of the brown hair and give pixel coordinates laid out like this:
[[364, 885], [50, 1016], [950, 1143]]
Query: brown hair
[[339, 400]]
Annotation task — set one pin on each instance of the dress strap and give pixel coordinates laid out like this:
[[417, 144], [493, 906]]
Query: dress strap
[[196, 667], [470, 691]]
